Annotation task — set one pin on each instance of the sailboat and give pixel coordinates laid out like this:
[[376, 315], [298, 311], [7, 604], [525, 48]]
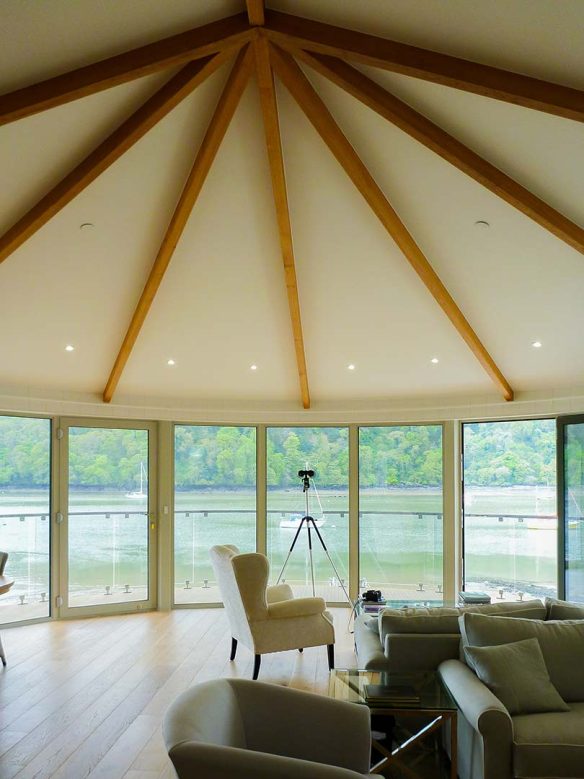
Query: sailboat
[[139, 494]]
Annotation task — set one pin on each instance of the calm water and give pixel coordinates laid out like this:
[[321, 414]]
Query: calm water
[[401, 549]]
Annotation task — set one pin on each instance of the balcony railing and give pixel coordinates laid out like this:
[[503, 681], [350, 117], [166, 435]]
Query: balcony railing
[[513, 561]]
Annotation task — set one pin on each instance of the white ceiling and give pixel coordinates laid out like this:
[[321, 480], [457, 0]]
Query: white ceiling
[[222, 305]]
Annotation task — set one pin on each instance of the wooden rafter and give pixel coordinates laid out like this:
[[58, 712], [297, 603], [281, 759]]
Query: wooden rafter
[[445, 145], [167, 53], [256, 12], [215, 133], [443, 69], [304, 94], [274, 145], [134, 128]]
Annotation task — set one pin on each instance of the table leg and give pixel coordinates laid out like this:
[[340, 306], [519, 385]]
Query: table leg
[[453, 746]]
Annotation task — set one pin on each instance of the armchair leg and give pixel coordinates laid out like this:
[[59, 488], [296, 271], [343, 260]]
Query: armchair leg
[[331, 656], [256, 666], [233, 648]]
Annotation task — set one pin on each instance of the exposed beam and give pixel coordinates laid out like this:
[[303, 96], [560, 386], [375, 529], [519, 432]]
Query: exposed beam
[[134, 128], [429, 65], [256, 12], [274, 145], [167, 53], [316, 111], [224, 111], [447, 146]]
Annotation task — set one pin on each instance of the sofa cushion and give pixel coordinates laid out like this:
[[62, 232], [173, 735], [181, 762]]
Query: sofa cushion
[[445, 620], [516, 673], [552, 744], [561, 642], [563, 609]]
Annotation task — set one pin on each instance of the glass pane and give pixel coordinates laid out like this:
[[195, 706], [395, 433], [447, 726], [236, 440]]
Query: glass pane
[[108, 516], [25, 467], [214, 503], [574, 505], [400, 510], [510, 517], [324, 450]]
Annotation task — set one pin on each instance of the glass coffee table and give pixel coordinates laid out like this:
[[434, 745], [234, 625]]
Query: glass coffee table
[[399, 695]]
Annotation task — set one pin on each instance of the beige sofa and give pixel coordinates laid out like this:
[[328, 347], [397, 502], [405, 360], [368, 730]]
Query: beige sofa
[[492, 743]]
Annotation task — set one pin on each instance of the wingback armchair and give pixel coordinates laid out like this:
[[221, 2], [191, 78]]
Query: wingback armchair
[[267, 619]]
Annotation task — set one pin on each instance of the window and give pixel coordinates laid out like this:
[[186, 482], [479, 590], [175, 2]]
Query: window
[[324, 450], [510, 521], [214, 503], [25, 516], [400, 512]]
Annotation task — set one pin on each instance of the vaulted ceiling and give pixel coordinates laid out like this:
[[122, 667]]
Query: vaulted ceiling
[[300, 188]]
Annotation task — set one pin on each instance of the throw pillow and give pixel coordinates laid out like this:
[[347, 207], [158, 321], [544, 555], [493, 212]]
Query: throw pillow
[[561, 642], [516, 673], [563, 609]]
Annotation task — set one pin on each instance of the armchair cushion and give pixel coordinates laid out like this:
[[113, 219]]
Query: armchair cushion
[[562, 609], [297, 607], [518, 676]]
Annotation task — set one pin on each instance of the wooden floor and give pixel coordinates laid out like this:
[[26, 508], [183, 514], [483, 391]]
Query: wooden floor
[[85, 698]]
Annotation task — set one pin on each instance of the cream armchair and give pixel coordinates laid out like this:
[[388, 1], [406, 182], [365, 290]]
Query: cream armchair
[[233, 728], [267, 619]]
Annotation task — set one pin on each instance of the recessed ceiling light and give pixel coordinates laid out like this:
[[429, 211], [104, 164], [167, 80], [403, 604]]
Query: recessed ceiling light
[[536, 344], [482, 224], [170, 362], [253, 367], [350, 367], [435, 360], [69, 348]]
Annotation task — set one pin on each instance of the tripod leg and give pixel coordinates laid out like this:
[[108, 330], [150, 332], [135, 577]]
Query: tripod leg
[[310, 553], [256, 666], [326, 551], [292, 545]]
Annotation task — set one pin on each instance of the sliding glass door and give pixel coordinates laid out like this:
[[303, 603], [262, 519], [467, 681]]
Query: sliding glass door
[[107, 524], [571, 504], [25, 516]]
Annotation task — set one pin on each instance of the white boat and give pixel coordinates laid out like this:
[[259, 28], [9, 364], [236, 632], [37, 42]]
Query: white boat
[[139, 494], [292, 521]]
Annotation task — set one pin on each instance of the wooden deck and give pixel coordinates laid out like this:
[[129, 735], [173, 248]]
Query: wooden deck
[[85, 698]]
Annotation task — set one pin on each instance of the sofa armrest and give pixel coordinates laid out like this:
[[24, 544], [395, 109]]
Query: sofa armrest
[[297, 607], [413, 652], [278, 592], [485, 714]]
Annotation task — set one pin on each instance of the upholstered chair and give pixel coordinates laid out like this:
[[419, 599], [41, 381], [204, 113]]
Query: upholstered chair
[[233, 728], [267, 619]]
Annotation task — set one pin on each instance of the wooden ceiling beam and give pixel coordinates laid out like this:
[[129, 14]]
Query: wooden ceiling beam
[[269, 105], [167, 53], [110, 150], [447, 146], [432, 66], [316, 111], [256, 12], [218, 125]]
